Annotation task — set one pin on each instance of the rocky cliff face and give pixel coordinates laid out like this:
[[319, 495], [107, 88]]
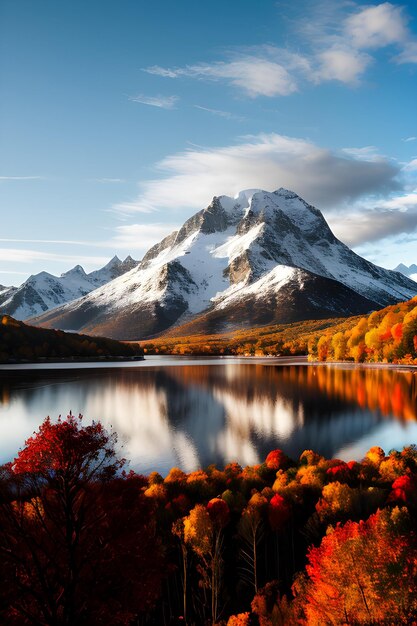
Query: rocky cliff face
[[262, 257]]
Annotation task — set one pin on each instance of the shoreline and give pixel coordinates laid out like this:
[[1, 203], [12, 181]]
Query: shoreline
[[184, 360], [85, 359]]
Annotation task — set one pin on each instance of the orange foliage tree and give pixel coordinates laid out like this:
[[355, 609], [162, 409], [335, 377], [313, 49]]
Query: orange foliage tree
[[362, 573], [388, 335]]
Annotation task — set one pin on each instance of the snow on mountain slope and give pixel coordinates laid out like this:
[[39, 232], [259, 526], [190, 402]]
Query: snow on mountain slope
[[42, 292], [114, 268], [4, 289], [261, 255]]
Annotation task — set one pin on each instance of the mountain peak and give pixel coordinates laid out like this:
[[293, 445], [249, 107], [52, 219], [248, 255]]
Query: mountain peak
[[75, 271], [410, 271], [249, 197], [286, 193], [245, 196], [261, 257], [114, 262]]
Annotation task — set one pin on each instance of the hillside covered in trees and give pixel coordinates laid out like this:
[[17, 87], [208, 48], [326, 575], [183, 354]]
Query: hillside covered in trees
[[312, 542], [275, 340], [388, 335], [20, 342]]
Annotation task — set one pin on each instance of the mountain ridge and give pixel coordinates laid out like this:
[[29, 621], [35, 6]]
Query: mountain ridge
[[261, 257], [410, 271], [44, 291]]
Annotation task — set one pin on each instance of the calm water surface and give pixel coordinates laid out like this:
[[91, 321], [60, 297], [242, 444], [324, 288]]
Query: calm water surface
[[190, 413]]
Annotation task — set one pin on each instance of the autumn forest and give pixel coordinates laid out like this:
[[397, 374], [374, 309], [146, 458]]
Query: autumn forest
[[388, 335], [310, 541]]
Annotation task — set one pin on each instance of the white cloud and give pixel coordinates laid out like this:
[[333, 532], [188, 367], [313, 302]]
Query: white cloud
[[410, 139], [140, 236], [161, 102], [335, 44], [378, 26], [369, 222], [21, 255], [382, 25], [256, 75], [341, 63], [190, 179]]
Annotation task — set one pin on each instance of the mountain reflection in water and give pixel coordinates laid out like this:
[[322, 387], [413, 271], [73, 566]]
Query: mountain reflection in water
[[194, 415]]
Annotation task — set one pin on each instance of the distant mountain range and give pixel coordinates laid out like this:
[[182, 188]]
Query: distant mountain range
[[258, 258], [43, 291], [410, 271]]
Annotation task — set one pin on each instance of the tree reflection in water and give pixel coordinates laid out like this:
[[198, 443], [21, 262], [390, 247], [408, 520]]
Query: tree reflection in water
[[195, 415]]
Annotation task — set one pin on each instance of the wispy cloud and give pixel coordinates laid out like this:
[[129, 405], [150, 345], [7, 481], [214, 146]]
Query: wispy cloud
[[407, 139], [339, 46], [218, 112], [411, 166], [365, 153], [135, 238], [270, 71], [256, 74], [17, 178], [140, 236], [161, 102], [22, 255], [107, 180], [134, 206], [268, 161], [409, 53], [70, 242]]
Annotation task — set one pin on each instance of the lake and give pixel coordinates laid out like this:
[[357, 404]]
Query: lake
[[185, 412]]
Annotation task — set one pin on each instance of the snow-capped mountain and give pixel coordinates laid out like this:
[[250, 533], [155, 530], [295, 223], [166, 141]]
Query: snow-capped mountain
[[257, 258], [410, 271], [42, 292]]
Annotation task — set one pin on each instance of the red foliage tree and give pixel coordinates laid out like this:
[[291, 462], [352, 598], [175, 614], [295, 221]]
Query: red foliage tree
[[404, 490], [276, 460], [279, 512], [340, 472], [69, 452], [219, 512], [75, 532]]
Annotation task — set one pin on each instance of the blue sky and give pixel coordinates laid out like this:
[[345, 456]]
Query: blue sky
[[119, 120]]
